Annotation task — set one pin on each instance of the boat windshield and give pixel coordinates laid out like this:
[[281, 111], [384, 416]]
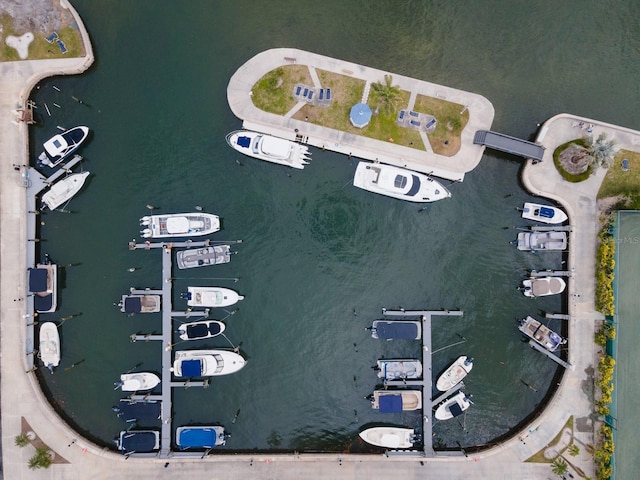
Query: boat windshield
[[400, 181]]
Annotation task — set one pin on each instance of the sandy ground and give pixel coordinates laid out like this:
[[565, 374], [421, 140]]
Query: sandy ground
[[37, 16]]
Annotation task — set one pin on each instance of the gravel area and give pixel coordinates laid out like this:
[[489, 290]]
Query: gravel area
[[37, 16]]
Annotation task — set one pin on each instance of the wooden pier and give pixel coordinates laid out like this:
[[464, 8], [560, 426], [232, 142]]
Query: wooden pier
[[551, 355], [550, 273]]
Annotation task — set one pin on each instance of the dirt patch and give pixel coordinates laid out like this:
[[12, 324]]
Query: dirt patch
[[38, 443], [608, 205], [575, 160], [37, 16]]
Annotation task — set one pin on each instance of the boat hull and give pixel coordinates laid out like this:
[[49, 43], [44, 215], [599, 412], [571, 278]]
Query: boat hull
[[60, 146], [388, 437], [179, 225], [140, 304], [543, 286], [543, 213], [206, 363], [43, 283], [62, 191], [399, 369], [454, 374], [540, 241], [195, 438], [215, 297], [396, 329], [136, 382], [452, 407], [396, 401], [269, 148], [541, 334], [200, 330], [49, 348], [201, 257]]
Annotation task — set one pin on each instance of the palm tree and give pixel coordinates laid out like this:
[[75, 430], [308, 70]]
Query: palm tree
[[573, 450], [559, 467], [386, 93], [41, 459], [21, 440], [601, 150]]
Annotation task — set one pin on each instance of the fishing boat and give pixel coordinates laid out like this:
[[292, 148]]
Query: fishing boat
[[43, 284], [211, 297], [269, 148], [201, 257], [399, 369], [138, 441], [543, 286], [196, 438], [396, 401], [389, 437], [453, 406], [206, 363], [396, 329], [542, 334], [49, 349], [398, 183], [179, 225], [455, 373], [62, 191], [140, 303], [536, 241], [60, 146], [543, 213], [199, 330], [136, 382]]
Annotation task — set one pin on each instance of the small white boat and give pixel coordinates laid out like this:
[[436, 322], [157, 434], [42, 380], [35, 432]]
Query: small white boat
[[203, 329], [136, 382], [135, 303], [546, 337], [212, 297], [49, 349], [398, 183], [43, 283], [455, 373], [399, 369], [64, 190], [543, 213], [269, 148], [138, 441], [179, 225], [206, 363], [196, 438], [201, 257], [396, 329], [389, 437], [453, 406], [60, 146], [396, 401], [542, 286], [535, 241]]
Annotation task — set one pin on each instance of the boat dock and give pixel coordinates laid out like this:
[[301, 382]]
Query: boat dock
[[550, 273], [556, 228], [427, 376], [555, 358]]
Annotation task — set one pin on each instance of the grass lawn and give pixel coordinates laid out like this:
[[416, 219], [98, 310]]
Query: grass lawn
[[623, 183]]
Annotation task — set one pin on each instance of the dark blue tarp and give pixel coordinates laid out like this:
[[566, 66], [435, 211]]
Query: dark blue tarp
[[244, 142], [455, 409], [191, 368], [143, 413], [37, 280], [546, 212], [197, 331], [415, 188], [397, 329], [390, 403], [143, 441], [43, 304], [133, 304]]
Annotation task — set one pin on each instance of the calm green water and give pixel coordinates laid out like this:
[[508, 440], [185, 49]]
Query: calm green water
[[320, 258]]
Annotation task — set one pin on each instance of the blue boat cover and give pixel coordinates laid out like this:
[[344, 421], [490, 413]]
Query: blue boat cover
[[397, 329], [143, 441], [244, 142], [455, 409], [191, 368], [133, 304], [37, 280], [197, 438], [43, 304], [415, 188], [390, 403], [144, 413], [546, 212], [197, 331]]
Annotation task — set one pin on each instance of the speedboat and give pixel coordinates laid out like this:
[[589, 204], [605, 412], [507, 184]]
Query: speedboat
[[453, 406], [136, 382], [542, 286], [396, 401], [211, 297], [535, 241], [269, 148], [200, 437], [203, 329], [201, 257], [543, 213], [179, 225], [206, 363], [138, 441], [546, 337], [455, 373], [49, 349], [43, 283], [389, 437], [60, 146], [396, 329], [63, 190], [399, 369], [135, 303], [398, 183]]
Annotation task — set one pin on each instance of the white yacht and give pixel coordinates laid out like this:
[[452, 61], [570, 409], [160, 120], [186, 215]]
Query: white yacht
[[543, 213], [64, 190], [269, 148], [453, 406], [212, 297], [135, 382], [543, 286], [60, 146], [546, 337], [455, 373], [536, 241], [49, 349], [179, 225], [389, 437], [206, 363]]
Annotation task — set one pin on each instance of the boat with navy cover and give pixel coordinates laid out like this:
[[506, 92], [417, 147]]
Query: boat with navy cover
[[49, 349], [543, 286], [398, 183], [542, 334], [201, 257], [138, 441], [43, 284], [200, 437], [206, 363], [179, 225], [202, 329], [138, 303], [389, 437], [536, 241], [211, 297], [455, 373], [453, 406], [399, 369], [143, 413], [60, 146], [63, 190], [135, 382], [396, 329], [396, 401], [269, 148], [543, 213]]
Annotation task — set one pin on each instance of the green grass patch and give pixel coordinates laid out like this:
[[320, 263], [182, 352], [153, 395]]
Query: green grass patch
[[445, 139], [569, 177], [273, 93], [618, 182]]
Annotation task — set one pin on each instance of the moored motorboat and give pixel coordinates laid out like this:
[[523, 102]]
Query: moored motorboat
[[199, 330], [201, 257], [453, 406], [197, 437], [536, 241], [455, 373], [543, 286], [542, 334], [211, 297], [396, 401], [138, 441], [396, 329], [49, 349], [43, 284], [398, 369], [135, 382], [206, 363], [179, 225], [398, 183], [140, 303], [63, 190], [60, 146], [543, 213], [389, 437], [269, 148]]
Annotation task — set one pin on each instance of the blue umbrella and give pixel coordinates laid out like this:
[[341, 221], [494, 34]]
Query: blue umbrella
[[360, 115]]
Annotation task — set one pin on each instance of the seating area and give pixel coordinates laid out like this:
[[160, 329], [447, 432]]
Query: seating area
[[53, 38], [304, 93], [416, 120], [625, 164]]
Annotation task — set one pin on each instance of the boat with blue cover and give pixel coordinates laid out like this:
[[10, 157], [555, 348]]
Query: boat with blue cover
[[138, 441], [206, 363], [396, 401], [453, 406], [43, 284], [396, 329], [140, 303], [200, 330], [60, 146], [543, 213], [198, 438]]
